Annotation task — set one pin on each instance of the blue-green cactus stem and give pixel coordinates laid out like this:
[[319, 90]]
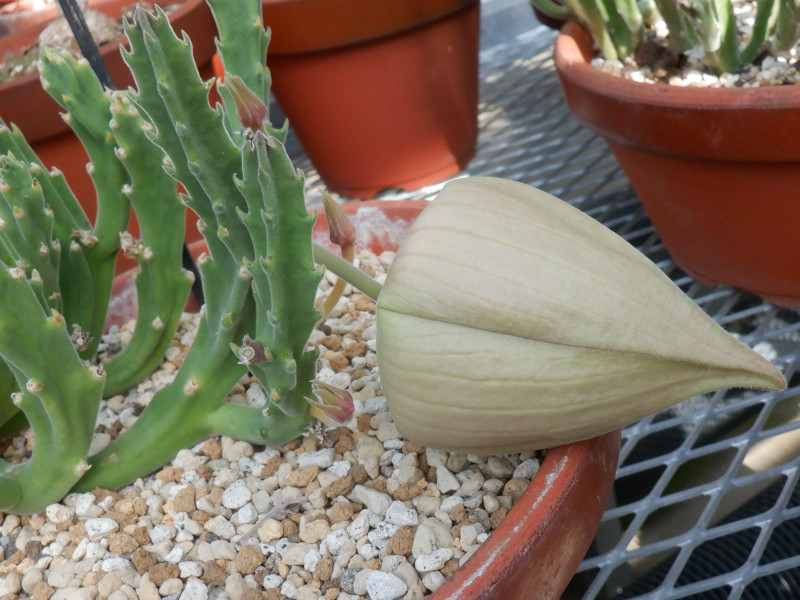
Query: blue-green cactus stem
[[162, 285], [243, 45], [252, 424], [74, 85], [60, 396], [178, 416], [285, 279], [211, 156], [26, 228], [75, 270], [175, 100], [8, 410], [69, 215], [787, 25]]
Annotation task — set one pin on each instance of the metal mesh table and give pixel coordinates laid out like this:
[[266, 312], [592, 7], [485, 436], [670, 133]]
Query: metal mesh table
[[706, 503]]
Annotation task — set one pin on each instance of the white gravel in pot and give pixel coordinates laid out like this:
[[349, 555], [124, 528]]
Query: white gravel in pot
[[357, 512]]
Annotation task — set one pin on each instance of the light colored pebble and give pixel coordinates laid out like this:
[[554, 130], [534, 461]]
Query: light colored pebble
[[314, 531], [99, 528], [336, 539], [75, 593], [58, 513], [194, 589], [377, 502], [236, 496], [190, 568], [289, 590], [319, 458], [162, 533], [31, 579], [223, 550], [235, 586], [174, 556], [11, 584], [381, 585], [295, 553], [269, 530], [433, 561], [272, 581], [108, 584], [359, 527], [399, 514], [445, 480], [527, 469], [339, 468], [170, 586], [62, 575], [433, 580], [246, 515]]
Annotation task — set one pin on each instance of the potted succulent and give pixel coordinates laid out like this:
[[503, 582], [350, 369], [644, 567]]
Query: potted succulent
[[713, 166], [396, 83], [24, 102], [464, 363]]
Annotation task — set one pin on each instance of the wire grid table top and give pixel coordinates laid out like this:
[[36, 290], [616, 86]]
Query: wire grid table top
[[706, 502]]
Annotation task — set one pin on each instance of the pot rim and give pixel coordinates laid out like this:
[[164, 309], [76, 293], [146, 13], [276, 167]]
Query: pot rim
[[755, 124], [574, 50], [300, 26]]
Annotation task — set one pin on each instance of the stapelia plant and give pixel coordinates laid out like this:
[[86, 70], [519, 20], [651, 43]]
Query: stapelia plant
[[259, 278], [619, 26]]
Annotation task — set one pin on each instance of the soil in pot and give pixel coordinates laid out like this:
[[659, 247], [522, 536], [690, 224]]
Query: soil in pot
[[356, 510]]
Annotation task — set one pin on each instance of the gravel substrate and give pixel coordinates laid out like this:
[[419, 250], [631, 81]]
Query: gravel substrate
[[357, 512]]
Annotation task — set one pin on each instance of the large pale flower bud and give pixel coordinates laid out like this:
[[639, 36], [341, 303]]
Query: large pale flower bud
[[510, 320]]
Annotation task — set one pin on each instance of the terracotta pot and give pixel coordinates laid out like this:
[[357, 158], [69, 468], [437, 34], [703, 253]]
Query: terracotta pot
[[24, 102], [539, 545], [381, 95], [716, 169]]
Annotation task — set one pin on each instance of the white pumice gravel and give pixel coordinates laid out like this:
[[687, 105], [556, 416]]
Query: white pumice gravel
[[360, 514]]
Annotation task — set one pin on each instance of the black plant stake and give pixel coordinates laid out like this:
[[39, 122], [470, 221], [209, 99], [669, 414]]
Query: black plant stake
[[77, 23]]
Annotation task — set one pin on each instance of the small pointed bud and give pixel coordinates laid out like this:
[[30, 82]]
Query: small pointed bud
[[342, 232], [251, 109], [333, 406]]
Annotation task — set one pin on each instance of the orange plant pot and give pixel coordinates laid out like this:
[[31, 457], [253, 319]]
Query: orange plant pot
[[381, 95], [538, 546], [24, 102], [716, 169]]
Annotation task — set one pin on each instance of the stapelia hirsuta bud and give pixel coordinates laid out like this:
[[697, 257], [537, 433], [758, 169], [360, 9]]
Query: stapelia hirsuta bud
[[251, 109], [510, 320], [342, 232], [333, 406]]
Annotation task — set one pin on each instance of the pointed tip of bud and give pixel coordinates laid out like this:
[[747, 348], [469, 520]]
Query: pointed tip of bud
[[342, 232], [251, 109]]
